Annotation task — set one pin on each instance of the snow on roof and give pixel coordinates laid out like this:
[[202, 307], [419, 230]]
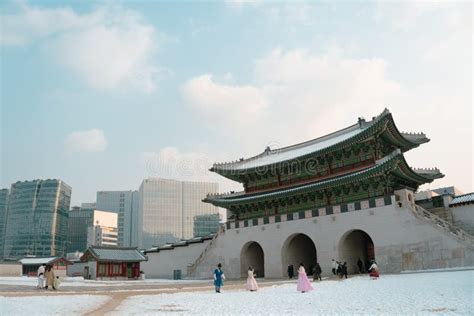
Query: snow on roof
[[269, 157], [26, 261], [463, 199]]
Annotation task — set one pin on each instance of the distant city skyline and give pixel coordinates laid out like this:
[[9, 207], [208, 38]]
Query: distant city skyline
[[171, 88]]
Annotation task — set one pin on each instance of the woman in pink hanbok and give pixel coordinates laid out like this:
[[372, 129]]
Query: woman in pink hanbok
[[251, 282], [304, 285]]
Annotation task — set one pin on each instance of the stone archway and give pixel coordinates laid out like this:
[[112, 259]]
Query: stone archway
[[298, 248], [252, 255], [353, 245]]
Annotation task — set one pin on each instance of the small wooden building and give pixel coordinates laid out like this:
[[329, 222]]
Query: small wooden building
[[111, 263], [29, 266]]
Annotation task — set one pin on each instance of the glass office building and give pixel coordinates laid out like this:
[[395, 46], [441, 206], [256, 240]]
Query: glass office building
[[167, 209], [79, 220], [37, 219], [206, 224], [4, 193]]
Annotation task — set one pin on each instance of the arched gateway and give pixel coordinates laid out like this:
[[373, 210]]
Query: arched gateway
[[298, 248], [353, 245], [351, 170], [252, 255]]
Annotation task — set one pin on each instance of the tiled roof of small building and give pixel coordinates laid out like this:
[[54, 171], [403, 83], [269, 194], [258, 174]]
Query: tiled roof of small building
[[115, 254], [46, 260], [463, 199], [27, 261]]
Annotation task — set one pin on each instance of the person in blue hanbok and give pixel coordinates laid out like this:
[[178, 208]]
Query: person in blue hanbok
[[218, 278]]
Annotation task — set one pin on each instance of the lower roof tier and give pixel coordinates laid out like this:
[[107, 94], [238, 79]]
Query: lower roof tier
[[393, 165]]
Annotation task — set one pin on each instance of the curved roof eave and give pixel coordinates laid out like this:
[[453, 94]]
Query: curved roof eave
[[232, 171]]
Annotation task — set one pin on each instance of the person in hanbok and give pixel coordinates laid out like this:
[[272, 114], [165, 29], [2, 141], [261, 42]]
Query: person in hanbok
[[49, 276], [56, 283], [251, 282], [218, 278], [374, 270], [40, 275], [304, 285]]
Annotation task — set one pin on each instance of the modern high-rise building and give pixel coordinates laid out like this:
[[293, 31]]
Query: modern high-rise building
[[205, 224], [167, 209], [79, 220], [125, 204], [37, 219], [4, 193], [92, 205], [91, 227]]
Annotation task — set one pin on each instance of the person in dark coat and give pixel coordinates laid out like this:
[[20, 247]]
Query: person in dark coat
[[344, 270], [317, 272], [291, 271], [339, 269], [359, 264], [218, 278]]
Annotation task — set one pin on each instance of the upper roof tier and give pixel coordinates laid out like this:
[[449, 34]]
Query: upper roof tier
[[381, 125]]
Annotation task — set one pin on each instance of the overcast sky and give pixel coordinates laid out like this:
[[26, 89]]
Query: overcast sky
[[103, 95]]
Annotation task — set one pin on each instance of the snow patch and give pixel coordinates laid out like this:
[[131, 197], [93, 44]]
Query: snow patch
[[51, 305], [425, 293]]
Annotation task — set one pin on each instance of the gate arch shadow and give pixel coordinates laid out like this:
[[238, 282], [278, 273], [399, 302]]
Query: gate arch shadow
[[252, 255], [298, 248], [353, 245]]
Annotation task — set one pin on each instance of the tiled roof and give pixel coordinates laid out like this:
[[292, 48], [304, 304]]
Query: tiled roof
[[349, 134], [463, 199], [116, 254], [37, 260]]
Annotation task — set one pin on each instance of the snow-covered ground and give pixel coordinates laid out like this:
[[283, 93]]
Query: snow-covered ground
[[79, 281], [50, 305], [425, 293]]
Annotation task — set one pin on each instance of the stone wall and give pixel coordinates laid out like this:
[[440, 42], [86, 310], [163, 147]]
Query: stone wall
[[10, 269], [162, 264], [463, 217], [403, 240]]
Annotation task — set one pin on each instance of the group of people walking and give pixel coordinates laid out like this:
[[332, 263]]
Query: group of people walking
[[339, 269], [46, 277], [304, 285]]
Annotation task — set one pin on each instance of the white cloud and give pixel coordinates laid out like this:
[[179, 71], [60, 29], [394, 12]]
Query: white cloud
[[204, 93], [86, 141], [294, 92], [238, 4], [110, 47]]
